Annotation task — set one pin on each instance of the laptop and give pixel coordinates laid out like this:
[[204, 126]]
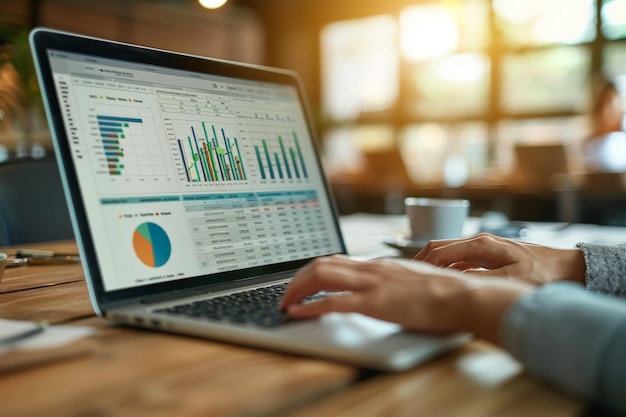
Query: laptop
[[193, 183]]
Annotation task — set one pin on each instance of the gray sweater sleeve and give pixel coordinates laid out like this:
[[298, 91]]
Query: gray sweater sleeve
[[573, 339], [605, 268]]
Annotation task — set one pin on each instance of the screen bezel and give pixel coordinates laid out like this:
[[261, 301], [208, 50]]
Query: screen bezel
[[42, 41]]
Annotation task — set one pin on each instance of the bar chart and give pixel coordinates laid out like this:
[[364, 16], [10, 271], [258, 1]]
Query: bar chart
[[114, 129], [127, 142], [281, 158], [210, 152]]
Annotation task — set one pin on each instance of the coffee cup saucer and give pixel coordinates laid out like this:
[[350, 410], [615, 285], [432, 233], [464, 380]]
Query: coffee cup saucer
[[404, 244]]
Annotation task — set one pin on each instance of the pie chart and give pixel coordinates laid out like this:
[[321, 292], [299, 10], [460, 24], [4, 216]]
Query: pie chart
[[152, 245]]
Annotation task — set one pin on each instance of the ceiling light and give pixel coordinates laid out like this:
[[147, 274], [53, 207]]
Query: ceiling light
[[212, 4]]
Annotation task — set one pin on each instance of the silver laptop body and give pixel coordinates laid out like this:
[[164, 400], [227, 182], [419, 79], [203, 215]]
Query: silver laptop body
[[191, 178]]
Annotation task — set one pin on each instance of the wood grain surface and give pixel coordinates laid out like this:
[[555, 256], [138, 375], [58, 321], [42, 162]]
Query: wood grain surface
[[121, 371]]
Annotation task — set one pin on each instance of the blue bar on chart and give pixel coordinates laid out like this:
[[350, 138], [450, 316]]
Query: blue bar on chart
[[210, 158], [112, 129], [287, 162]]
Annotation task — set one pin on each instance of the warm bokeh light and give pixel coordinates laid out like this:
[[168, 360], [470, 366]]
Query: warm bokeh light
[[546, 80], [427, 32], [614, 18], [452, 86], [515, 11], [462, 68], [553, 28], [423, 149], [345, 148], [616, 11], [545, 21], [212, 4], [359, 66]]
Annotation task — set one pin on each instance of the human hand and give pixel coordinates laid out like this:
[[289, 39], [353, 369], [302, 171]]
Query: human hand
[[489, 255], [413, 294]]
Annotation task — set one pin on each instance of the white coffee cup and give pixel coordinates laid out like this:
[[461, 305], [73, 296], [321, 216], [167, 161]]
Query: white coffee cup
[[436, 218]]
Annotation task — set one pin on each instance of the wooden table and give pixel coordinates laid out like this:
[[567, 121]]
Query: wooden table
[[129, 372]]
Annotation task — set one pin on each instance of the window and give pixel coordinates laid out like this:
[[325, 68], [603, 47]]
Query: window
[[360, 67], [453, 86], [614, 19], [546, 80], [472, 77], [539, 22]]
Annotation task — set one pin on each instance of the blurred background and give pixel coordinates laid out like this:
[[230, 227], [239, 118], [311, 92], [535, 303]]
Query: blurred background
[[516, 105]]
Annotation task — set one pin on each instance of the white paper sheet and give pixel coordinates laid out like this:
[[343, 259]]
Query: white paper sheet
[[51, 336]]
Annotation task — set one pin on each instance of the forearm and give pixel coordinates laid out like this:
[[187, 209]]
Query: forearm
[[571, 338], [605, 268]]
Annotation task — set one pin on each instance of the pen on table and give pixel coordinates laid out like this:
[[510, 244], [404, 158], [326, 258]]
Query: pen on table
[[41, 257], [52, 260], [9, 340], [38, 253]]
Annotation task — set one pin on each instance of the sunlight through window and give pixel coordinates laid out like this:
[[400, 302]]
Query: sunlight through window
[[427, 32], [359, 66], [533, 22], [453, 86], [614, 19]]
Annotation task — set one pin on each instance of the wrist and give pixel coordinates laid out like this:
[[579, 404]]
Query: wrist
[[487, 304], [573, 265]]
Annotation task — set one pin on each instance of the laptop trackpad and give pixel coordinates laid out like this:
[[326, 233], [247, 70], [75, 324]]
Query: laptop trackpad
[[359, 334]]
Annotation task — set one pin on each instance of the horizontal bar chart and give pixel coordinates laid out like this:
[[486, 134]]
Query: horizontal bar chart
[[113, 129]]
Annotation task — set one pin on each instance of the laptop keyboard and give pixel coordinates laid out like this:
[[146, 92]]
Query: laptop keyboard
[[257, 307]]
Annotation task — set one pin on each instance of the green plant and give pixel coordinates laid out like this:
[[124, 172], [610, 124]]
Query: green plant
[[21, 59], [20, 97], [11, 91]]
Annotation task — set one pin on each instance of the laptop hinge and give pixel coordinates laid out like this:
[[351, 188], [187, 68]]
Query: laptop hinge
[[215, 288]]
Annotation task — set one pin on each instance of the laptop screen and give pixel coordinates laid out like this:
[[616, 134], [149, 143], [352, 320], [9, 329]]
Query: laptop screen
[[185, 174]]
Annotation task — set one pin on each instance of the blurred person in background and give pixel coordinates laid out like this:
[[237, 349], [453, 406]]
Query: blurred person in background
[[605, 149]]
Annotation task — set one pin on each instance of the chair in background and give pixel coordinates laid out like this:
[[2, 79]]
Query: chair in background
[[32, 202], [541, 166]]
